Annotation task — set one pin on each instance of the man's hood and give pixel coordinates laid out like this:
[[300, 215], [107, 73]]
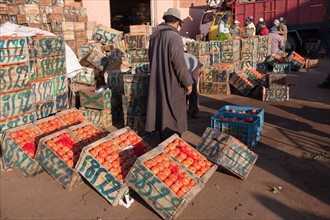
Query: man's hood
[[162, 27]]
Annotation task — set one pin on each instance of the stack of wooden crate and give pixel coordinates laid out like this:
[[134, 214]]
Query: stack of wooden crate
[[264, 51], [48, 78], [249, 53], [135, 100], [17, 103]]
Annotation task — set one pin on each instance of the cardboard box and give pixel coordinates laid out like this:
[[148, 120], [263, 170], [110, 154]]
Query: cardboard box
[[15, 78], [275, 94], [214, 88]]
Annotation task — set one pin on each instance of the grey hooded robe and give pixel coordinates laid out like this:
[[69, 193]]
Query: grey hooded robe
[[169, 78]]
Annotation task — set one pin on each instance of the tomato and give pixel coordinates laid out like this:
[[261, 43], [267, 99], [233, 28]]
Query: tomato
[[70, 153], [166, 163], [161, 175], [196, 166], [185, 181], [161, 166], [179, 183], [176, 141], [174, 188], [65, 158], [168, 182], [193, 169], [115, 164], [204, 169], [120, 178], [186, 163], [55, 148], [107, 165], [122, 137], [171, 146], [153, 162], [114, 172], [172, 153], [108, 150], [179, 158], [70, 163], [155, 169], [31, 154], [183, 155], [173, 177], [60, 152], [180, 193], [199, 173], [184, 189], [101, 160], [102, 154], [167, 172]]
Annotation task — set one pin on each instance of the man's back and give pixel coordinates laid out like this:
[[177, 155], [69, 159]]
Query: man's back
[[276, 41]]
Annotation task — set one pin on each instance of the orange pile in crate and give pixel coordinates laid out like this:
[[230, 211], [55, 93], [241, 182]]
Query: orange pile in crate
[[88, 133], [27, 139], [130, 138], [279, 58], [297, 57], [51, 126], [171, 174], [66, 147], [117, 163], [73, 118], [188, 156]]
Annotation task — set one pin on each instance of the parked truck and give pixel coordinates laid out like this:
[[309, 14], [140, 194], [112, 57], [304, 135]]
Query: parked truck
[[304, 18]]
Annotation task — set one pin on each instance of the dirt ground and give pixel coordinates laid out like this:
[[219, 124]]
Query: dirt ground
[[293, 131]]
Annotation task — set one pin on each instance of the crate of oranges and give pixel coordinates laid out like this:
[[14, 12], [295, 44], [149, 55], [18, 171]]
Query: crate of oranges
[[58, 154], [228, 152], [126, 138], [164, 183], [50, 124], [88, 132], [72, 116], [105, 166], [189, 157], [18, 148]]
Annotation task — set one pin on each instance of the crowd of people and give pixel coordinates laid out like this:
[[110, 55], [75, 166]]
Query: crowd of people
[[277, 33]]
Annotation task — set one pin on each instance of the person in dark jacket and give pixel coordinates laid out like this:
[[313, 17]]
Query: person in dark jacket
[[258, 26], [264, 30], [170, 80]]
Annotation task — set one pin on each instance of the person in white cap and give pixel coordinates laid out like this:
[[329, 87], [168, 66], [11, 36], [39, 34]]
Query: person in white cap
[[170, 80], [235, 29], [258, 26], [249, 24]]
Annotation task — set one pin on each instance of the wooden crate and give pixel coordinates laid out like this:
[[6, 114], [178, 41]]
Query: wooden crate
[[14, 155], [135, 105], [100, 118], [296, 60], [136, 41], [229, 56], [54, 165], [45, 11], [249, 44], [70, 14], [32, 14], [136, 123], [72, 116], [16, 103], [14, 78], [247, 65], [140, 68], [79, 26], [3, 9], [311, 63], [214, 88], [45, 108], [196, 155], [13, 55], [249, 55], [62, 101], [45, 3], [275, 94], [43, 89], [99, 177], [83, 50], [50, 66], [205, 60], [275, 80], [16, 121], [198, 48], [82, 18], [230, 45], [12, 10], [93, 58], [21, 19], [106, 35], [140, 29], [69, 3], [282, 68], [86, 76], [116, 82], [69, 36], [139, 55], [95, 100], [228, 152], [48, 130], [56, 17], [90, 138], [264, 46], [44, 46], [137, 84], [122, 57], [156, 193], [241, 84]]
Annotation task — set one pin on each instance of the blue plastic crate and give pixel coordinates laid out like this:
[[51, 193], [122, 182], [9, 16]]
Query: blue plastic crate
[[248, 133], [247, 110]]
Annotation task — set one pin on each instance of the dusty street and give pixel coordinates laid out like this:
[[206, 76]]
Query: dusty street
[[294, 131]]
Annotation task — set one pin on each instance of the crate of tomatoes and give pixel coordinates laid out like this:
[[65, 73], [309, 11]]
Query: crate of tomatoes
[[163, 183], [72, 116], [105, 165], [18, 148], [189, 157], [50, 124], [58, 154], [244, 127], [228, 152], [88, 132]]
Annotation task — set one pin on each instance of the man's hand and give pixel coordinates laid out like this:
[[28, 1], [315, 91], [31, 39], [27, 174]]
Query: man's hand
[[189, 90]]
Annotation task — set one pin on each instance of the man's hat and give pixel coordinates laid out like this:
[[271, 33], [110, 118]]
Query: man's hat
[[276, 21], [173, 12], [249, 19], [261, 19], [225, 17]]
